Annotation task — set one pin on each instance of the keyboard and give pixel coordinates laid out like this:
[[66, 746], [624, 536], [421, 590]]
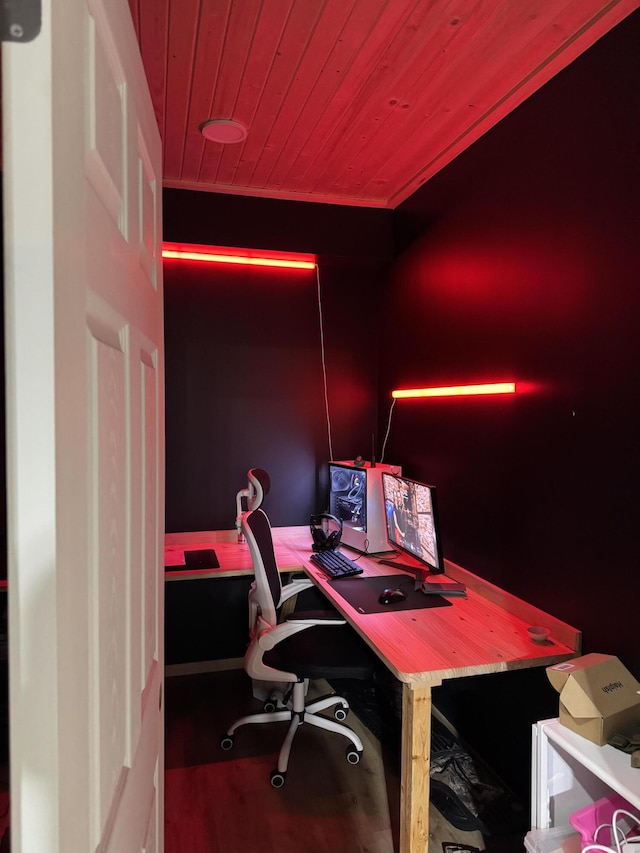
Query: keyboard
[[335, 565]]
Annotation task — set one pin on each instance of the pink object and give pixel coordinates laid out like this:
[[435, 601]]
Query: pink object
[[588, 819]]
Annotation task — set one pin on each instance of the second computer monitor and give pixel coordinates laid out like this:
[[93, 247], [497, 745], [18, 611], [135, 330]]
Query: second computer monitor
[[412, 520]]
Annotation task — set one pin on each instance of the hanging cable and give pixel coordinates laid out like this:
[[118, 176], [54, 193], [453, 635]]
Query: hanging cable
[[384, 444], [324, 365]]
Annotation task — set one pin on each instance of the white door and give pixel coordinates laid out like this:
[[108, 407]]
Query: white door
[[85, 435]]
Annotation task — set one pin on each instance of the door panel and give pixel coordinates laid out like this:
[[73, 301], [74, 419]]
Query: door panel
[[85, 435]]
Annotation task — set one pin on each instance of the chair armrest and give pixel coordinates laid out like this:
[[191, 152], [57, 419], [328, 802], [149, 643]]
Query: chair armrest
[[270, 638], [294, 587]]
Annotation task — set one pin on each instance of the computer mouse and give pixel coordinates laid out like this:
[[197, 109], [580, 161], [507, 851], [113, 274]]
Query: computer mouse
[[391, 596]]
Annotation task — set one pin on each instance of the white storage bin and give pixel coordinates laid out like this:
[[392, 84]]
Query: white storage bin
[[559, 839]]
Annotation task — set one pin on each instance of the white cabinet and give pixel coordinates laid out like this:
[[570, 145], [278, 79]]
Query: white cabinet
[[569, 772]]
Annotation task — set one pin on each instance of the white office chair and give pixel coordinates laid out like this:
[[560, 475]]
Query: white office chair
[[305, 646]]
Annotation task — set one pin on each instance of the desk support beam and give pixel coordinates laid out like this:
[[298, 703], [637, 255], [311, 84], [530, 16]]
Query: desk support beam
[[416, 757]]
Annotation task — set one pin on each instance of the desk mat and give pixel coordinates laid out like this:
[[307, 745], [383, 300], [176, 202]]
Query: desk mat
[[203, 558], [362, 593]]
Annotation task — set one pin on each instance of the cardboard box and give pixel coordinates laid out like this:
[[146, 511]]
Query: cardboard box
[[598, 697]]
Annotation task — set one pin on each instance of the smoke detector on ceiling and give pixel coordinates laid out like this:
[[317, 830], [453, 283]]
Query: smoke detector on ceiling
[[223, 130]]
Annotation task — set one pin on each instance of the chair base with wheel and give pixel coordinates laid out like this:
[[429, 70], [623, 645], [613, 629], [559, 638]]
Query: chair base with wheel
[[296, 715]]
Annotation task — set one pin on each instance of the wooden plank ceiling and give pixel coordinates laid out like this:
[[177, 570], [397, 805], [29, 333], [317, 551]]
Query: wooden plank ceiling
[[347, 101]]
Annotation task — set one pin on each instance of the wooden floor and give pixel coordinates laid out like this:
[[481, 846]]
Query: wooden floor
[[222, 802]]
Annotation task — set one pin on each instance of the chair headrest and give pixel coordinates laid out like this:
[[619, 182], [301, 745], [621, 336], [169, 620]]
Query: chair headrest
[[261, 483]]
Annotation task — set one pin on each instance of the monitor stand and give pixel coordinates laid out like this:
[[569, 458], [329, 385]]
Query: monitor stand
[[416, 569]]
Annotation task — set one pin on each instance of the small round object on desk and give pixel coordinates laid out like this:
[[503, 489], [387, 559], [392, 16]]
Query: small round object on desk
[[538, 634]]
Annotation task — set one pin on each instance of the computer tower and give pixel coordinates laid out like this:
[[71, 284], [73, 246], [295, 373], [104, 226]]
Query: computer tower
[[355, 497]]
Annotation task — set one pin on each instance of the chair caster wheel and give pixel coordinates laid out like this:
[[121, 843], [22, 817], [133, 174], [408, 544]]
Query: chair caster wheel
[[226, 742], [353, 756], [341, 712], [278, 778]]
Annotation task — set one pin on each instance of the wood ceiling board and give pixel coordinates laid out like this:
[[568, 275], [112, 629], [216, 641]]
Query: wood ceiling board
[[244, 20], [450, 98], [332, 89], [206, 67], [152, 26], [239, 41], [469, 77], [300, 27], [309, 90], [266, 42], [215, 62], [382, 104], [184, 22], [397, 39], [355, 102]]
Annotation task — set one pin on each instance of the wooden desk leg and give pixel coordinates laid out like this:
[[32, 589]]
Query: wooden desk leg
[[416, 759]]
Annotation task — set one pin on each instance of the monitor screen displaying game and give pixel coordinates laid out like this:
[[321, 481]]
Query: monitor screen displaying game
[[412, 520]]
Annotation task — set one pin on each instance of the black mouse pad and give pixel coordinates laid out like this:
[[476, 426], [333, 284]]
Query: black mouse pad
[[205, 558], [362, 593]]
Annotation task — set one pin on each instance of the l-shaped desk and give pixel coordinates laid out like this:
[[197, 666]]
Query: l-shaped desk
[[482, 633]]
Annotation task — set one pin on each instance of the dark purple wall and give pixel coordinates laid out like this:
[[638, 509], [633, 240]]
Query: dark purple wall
[[244, 381], [521, 261], [527, 268]]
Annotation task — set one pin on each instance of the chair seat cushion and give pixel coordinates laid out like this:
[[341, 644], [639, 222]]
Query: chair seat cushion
[[323, 652]]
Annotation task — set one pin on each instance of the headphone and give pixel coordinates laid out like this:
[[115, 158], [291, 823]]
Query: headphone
[[323, 541]]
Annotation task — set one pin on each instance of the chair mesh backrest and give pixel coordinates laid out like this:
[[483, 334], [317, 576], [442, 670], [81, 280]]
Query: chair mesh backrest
[[257, 531]]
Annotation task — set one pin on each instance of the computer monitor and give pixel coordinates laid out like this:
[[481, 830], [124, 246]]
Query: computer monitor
[[355, 497], [412, 523]]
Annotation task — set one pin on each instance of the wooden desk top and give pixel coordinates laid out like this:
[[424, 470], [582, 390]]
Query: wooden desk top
[[233, 556], [482, 633]]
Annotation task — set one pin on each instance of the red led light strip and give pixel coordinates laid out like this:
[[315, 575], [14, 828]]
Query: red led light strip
[[458, 390], [185, 254]]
